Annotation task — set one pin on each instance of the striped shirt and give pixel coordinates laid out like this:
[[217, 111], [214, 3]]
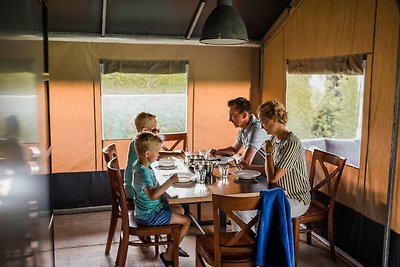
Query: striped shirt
[[288, 154]]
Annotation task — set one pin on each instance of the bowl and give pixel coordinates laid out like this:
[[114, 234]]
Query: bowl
[[166, 162]]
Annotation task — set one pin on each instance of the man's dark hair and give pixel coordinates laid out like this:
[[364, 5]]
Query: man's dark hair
[[241, 104]]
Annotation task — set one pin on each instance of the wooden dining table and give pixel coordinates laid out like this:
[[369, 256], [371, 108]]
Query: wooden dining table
[[193, 192]]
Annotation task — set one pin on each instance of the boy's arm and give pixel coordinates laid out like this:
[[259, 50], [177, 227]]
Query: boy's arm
[[154, 192]]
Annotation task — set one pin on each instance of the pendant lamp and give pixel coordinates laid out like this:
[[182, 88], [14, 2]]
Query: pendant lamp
[[224, 26]]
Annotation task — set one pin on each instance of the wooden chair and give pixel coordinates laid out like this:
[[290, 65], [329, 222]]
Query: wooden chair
[[110, 152], [178, 138], [129, 226], [228, 248], [332, 167]]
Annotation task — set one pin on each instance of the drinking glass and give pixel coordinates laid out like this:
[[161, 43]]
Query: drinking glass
[[204, 153], [202, 173], [198, 169], [223, 171]]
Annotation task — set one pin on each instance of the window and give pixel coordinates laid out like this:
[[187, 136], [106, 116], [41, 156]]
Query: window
[[131, 87], [325, 107], [18, 107]]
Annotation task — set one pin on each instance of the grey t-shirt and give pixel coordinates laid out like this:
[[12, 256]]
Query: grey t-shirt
[[254, 136]]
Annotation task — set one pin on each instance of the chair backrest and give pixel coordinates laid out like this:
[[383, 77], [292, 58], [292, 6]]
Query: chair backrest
[[117, 188], [243, 240], [110, 152], [332, 166], [178, 138]]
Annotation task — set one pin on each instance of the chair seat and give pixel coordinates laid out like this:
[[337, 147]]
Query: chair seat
[[316, 209], [206, 242], [136, 229]]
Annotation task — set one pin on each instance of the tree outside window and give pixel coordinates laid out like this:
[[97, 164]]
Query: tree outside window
[[125, 93]]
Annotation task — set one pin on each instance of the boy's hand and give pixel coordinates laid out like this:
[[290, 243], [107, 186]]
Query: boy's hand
[[213, 152], [174, 178]]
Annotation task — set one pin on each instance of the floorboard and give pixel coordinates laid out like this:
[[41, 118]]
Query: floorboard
[[80, 241]]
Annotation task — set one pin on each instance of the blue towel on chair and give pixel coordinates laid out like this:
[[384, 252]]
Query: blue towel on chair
[[274, 245]]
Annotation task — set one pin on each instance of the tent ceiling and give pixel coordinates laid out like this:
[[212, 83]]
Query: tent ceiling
[[169, 18]]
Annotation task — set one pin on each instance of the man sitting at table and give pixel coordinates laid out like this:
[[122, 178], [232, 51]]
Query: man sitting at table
[[149, 210], [250, 136], [143, 122]]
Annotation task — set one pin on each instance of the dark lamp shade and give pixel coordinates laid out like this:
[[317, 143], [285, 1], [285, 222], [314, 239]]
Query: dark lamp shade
[[224, 26]]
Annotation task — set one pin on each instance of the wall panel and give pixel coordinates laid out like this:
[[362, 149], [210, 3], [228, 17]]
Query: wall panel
[[216, 75], [326, 28], [71, 107], [382, 96], [274, 70], [339, 27]]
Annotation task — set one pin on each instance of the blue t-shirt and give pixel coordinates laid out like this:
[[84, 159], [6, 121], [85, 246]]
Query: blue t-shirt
[[143, 177], [132, 157]]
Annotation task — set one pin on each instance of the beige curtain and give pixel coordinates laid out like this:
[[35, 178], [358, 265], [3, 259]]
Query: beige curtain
[[350, 65], [151, 67]]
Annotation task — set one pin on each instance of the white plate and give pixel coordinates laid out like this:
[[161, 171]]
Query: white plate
[[167, 167], [226, 159], [184, 177], [246, 174], [166, 162]]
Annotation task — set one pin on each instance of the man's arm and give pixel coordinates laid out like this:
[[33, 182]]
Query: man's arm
[[249, 154], [228, 151]]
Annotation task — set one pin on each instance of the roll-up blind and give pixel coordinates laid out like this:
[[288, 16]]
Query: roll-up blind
[[350, 65], [145, 67]]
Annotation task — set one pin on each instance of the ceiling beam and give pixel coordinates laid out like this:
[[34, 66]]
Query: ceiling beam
[[195, 18], [118, 39], [103, 18]]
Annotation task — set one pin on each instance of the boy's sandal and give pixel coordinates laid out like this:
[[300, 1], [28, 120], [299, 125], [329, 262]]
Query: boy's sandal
[[183, 253], [167, 263]]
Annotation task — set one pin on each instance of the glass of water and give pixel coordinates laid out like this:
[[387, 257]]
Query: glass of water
[[223, 171], [201, 176], [200, 171]]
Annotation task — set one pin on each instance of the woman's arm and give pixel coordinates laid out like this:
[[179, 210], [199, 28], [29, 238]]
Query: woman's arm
[[273, 173]]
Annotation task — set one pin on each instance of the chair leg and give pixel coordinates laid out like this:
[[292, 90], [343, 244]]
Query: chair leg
[[156, 239], [308, 225], [199, 260], [175, 237], [123, 251], [296, 237], [111, 229], [199, 211], [331, 240], [119, 249]]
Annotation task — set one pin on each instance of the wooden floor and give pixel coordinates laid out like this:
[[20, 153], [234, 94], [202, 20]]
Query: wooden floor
[[80, 241]]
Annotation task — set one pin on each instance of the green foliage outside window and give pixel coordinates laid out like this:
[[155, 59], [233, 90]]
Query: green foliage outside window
[[139, 84], [324, 106], [124, 95]]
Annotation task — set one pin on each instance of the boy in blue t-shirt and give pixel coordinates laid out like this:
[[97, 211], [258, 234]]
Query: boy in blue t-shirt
[[149, 210], [143, 122]]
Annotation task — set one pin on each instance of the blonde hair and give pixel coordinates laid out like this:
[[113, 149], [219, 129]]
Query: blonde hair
[[142, 119], [273, 109], [146, 141]]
